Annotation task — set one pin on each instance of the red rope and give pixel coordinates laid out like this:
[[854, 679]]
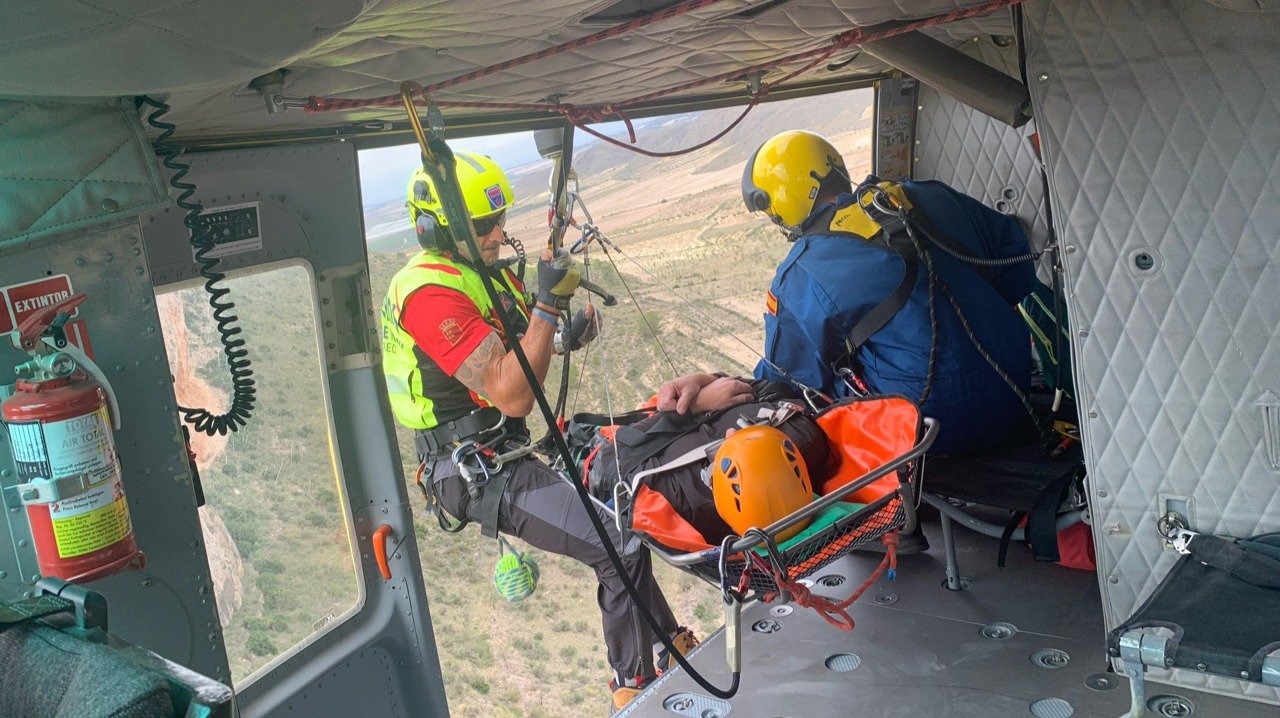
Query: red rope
[[579, 123], [834, 612], [325, 104], [580, 116], [856, 36]]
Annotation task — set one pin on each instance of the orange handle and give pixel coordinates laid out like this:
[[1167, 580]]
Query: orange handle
[[380, 550]]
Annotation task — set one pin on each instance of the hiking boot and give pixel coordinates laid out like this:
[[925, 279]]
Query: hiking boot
[[622, 695], [914, 542], [684, 641]]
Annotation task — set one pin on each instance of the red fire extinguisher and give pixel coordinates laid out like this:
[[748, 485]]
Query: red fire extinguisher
[[60, 422]]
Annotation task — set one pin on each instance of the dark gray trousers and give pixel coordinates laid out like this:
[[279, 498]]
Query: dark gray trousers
[[542, 509]]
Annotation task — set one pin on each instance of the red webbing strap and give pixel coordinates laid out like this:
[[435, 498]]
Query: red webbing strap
[[324, 104]]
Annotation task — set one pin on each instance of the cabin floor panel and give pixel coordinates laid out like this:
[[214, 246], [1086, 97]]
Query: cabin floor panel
[[921, 649]]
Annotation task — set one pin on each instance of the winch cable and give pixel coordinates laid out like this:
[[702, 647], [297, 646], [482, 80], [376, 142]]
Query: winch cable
[[591, 234], [648, 325], [243, 390], [609, 246], [438, 163], [606, 242]]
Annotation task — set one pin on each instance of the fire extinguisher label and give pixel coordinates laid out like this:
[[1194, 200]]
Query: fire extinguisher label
[[80, 448]]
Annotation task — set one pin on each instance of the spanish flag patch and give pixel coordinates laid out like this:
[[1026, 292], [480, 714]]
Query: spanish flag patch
[[770, 303]]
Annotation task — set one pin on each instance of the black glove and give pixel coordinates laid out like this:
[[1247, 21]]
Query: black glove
[[579, 332], [557, 280]]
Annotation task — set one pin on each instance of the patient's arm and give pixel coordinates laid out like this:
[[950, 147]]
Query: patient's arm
[[722, 393]]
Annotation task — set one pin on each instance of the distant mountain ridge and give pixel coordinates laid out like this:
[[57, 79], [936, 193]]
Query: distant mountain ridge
[[827, 115]]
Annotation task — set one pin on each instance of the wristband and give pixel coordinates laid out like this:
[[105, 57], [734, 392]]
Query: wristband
[[546, 316]]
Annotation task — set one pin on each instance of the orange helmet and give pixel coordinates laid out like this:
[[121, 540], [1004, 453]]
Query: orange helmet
[[759, 477]]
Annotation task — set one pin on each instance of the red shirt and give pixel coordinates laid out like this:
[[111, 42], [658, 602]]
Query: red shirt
[[445, 324]]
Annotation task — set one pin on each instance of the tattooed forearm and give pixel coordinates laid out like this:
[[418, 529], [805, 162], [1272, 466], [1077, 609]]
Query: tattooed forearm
[[478, 370]]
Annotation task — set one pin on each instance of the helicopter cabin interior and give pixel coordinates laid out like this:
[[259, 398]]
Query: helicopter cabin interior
[[1137, 142]]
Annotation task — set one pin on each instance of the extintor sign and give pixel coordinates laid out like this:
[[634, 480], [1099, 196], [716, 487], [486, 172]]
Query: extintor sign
[[23, 300], [19, 301]]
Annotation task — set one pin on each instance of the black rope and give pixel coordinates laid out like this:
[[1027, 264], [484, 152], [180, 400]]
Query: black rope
[[243, 391], [933, 314], [1022, 396], [909, 221], [455, 207]]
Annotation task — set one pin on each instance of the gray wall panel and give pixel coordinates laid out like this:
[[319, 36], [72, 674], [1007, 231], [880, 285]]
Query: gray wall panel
[[1159, 124], [980, 156]]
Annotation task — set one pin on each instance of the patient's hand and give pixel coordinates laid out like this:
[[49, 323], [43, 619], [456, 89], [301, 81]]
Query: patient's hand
[[678, 394], [722, 393]]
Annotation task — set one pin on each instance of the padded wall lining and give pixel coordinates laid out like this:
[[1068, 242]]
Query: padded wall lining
[[72, 164], [1158, 121], [981, 156]]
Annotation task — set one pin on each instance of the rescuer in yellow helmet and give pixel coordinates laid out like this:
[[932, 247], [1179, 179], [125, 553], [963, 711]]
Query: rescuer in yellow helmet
[[452, 377], [852, 297]]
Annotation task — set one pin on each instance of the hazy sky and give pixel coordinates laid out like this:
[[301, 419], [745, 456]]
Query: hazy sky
[[384, 172]]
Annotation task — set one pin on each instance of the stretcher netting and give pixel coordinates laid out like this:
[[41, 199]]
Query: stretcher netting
[[868, 489]]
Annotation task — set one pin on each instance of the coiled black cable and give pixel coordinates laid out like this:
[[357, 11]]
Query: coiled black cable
[[243, 391], [518, 246]]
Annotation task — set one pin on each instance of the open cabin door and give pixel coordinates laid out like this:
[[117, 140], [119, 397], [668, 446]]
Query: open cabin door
[[315, 481]]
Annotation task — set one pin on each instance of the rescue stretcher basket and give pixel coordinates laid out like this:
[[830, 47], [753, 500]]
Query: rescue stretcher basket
[[895, 485]]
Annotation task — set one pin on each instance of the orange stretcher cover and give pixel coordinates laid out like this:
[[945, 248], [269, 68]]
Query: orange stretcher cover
[[864, 434]]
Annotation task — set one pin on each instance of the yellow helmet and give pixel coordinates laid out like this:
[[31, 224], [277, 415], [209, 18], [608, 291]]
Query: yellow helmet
[[785, 175], [758, 477], [485, 189]]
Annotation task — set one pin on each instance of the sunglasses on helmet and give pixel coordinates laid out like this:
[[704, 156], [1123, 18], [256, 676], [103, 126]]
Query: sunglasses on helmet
[[484, 225]]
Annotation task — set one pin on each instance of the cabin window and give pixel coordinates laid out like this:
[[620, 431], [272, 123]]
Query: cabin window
[[274, 523]]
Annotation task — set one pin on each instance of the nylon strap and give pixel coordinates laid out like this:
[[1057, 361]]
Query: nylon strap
[[1247, 560], [30, 609], [893, 239], [484, 508]]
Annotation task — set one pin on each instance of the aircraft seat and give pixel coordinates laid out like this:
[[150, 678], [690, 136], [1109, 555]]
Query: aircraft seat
[[1015, 477], [57, 665]]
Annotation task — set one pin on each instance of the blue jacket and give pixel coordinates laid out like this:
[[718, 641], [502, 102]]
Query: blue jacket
[[828, 282]]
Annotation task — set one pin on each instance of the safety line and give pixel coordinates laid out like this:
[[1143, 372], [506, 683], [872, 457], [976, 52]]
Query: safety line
[[640, 310]]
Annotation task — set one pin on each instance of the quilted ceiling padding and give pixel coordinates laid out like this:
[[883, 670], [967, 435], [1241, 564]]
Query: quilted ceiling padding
[[1159, 124], [203, 53], [65, 165]]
